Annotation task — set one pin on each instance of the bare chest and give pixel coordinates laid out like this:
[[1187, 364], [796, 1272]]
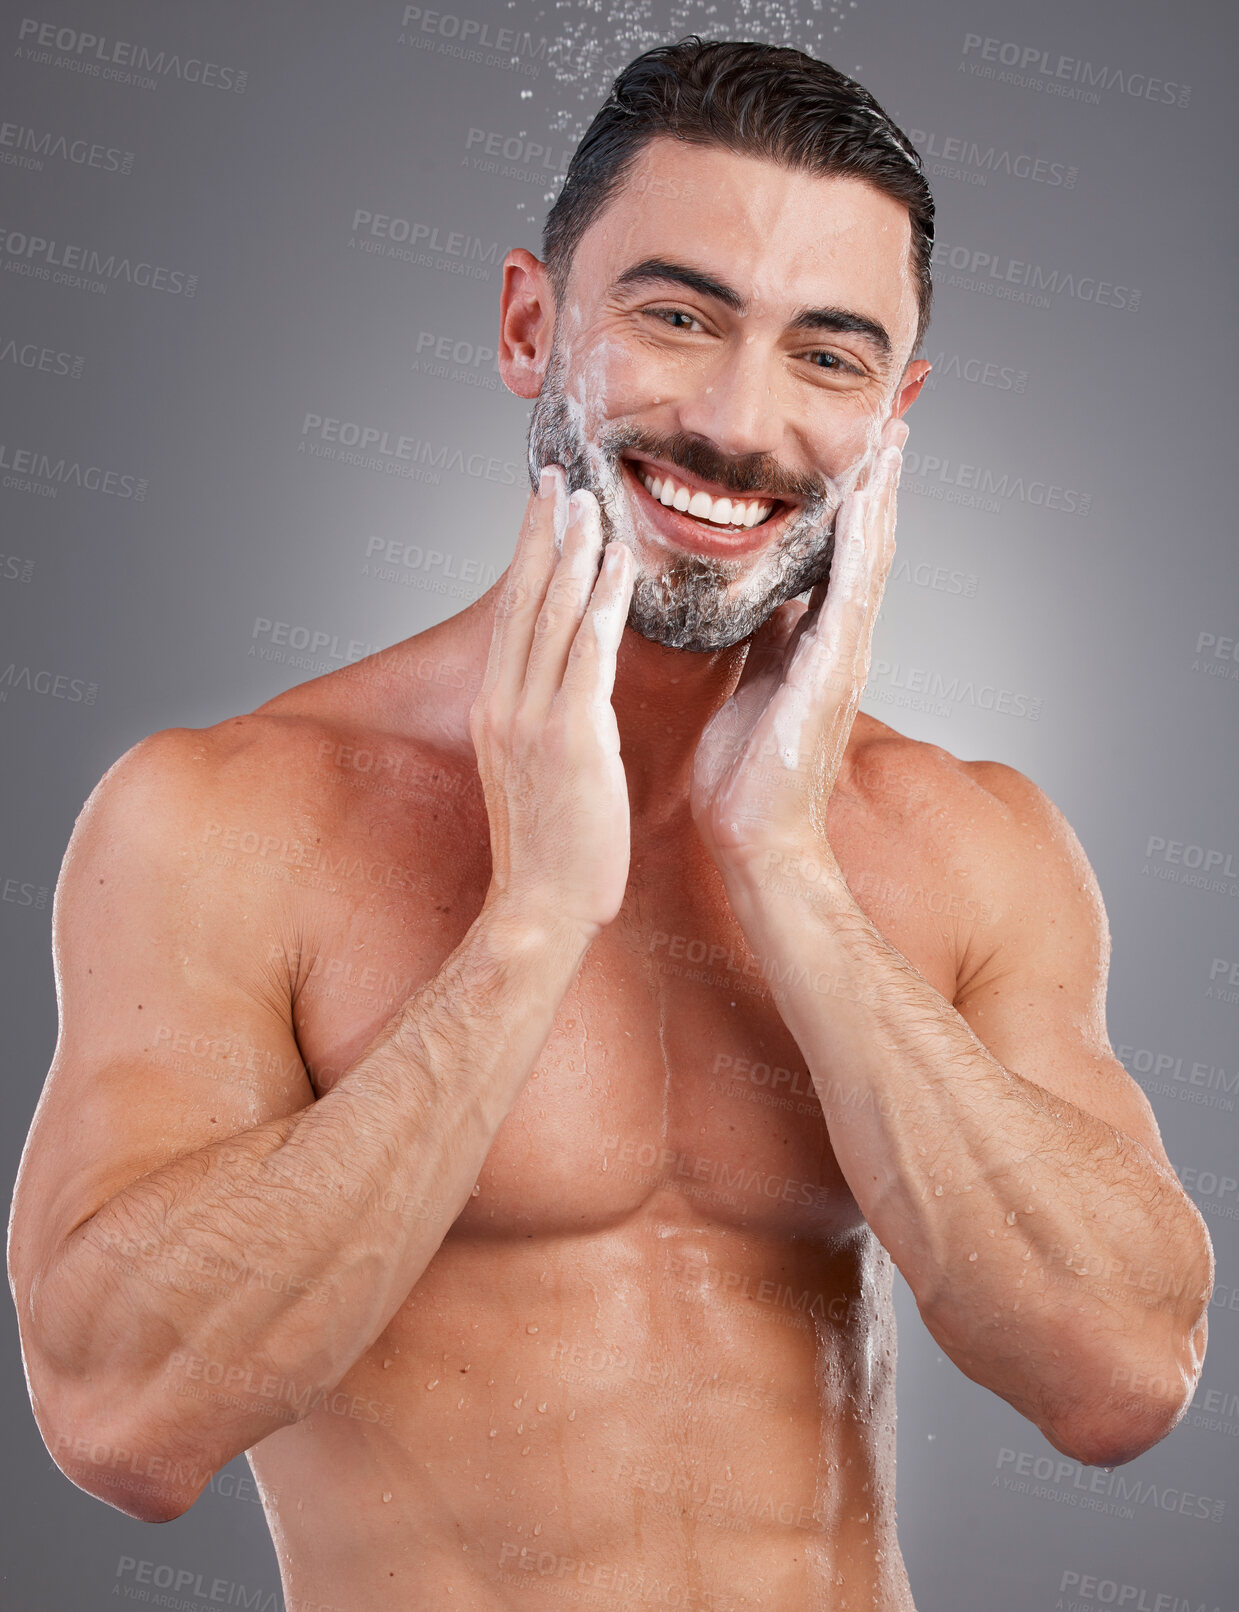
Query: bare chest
[[668, 1083]]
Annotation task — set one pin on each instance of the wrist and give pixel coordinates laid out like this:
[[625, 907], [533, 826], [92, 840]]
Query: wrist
[[523, 928], [787, 870]]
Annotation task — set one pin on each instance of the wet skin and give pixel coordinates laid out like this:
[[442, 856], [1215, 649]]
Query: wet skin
[[653, 1340]]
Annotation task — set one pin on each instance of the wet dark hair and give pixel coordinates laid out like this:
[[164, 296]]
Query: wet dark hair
[[758, 100]]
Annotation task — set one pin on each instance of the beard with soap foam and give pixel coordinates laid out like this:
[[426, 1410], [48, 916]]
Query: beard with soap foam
[[701, 602]]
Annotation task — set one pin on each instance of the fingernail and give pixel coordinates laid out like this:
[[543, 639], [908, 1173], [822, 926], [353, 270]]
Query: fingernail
[[546, 483]]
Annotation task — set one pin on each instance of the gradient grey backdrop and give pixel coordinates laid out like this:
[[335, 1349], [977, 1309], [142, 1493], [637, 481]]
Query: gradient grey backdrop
[[1064, 599]]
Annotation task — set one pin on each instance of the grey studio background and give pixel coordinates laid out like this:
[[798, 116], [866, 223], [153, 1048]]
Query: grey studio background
[[297, 216]]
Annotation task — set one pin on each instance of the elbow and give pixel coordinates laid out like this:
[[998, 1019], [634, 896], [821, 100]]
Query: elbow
[[126, 1471], [1106, 1442], [147, 1472], [1135, 1409]]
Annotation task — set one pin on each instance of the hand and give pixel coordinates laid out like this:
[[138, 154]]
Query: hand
[[767, 761], [543, 725]]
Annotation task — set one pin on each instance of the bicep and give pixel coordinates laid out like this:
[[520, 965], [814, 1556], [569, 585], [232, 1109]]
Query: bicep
[[173, 1034], [1034, 992]]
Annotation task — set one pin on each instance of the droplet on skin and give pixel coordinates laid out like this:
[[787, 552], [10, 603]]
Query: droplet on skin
[[386, 1496], [973, 1254]]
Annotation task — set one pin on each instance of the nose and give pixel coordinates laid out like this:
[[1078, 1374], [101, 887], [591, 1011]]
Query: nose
[[734, 403]]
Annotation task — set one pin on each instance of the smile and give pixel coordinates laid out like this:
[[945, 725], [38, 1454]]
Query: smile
[[733, 512], [704, 519]]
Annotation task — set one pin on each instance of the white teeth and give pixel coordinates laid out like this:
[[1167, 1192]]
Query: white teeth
[[731, 512]]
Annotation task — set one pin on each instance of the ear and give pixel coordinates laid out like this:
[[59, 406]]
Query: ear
[[914, 377], [526, 322]]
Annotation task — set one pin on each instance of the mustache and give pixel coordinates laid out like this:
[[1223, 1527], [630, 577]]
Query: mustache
[[749, 473]]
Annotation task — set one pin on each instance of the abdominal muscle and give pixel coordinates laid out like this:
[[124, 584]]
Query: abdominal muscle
[[666, 1413]]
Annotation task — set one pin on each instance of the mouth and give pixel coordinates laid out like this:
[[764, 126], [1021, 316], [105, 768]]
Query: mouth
[[694, 514]]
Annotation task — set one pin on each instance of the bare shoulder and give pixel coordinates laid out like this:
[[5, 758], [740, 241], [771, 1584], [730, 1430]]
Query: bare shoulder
[[989, 807], [1007, 857]]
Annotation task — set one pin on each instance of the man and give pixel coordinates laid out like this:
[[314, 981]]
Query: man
[[497, 1079]]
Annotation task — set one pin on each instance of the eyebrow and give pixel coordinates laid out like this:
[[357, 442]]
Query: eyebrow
[[841, 320]]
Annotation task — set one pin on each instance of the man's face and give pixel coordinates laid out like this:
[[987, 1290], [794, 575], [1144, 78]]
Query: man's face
[[719, 377]]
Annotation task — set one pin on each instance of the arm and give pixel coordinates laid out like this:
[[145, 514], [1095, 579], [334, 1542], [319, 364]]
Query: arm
[[145, 1189], [998, 1149]]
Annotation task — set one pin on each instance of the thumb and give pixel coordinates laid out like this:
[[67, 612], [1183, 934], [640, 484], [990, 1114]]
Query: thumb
[[768, 645]]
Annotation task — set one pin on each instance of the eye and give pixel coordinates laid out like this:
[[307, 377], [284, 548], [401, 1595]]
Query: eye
[[835, 362], [672, 316]]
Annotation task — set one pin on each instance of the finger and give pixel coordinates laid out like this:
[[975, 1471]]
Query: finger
[[567, 598], [835, 649], [893, 435], [769, 645], [529, 575], [590, 672]]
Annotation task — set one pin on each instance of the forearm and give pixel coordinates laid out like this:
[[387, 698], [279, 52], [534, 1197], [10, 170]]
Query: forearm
[[282, 1252], [1049, 1253]]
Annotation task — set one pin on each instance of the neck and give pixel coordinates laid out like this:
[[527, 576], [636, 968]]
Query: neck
[[662, 698]]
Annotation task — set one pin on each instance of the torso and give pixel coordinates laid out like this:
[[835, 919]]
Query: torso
[[652, 1363]]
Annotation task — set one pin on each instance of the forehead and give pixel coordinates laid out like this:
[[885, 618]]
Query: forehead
[[783, 237]]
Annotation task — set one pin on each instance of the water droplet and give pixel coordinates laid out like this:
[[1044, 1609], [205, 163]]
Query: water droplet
[[386, 1496], [938, 1190], [1010, 1217], [530, 1327], [973, 1254], [475, 1192], [434, 1383]]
